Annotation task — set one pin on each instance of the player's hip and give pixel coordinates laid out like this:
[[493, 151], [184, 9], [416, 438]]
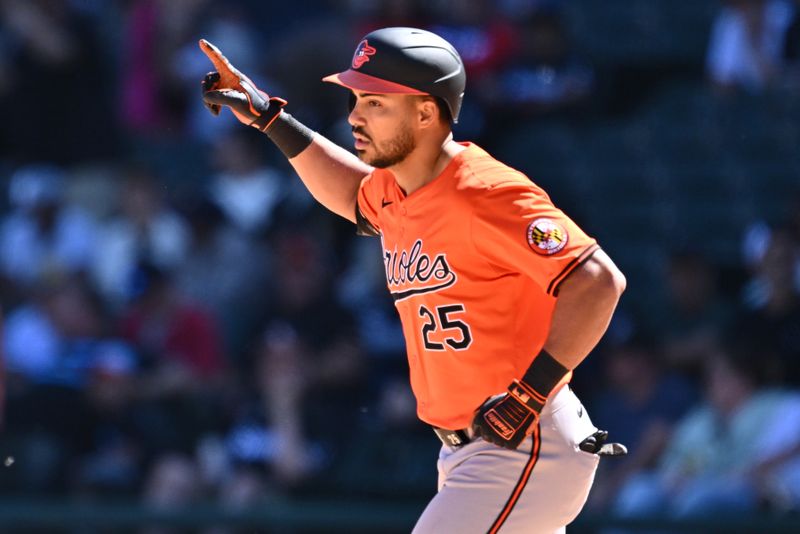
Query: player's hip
[[563, 415], [538, 487]]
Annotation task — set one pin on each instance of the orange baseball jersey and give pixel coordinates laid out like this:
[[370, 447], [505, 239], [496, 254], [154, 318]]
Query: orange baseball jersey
[[473, 261]]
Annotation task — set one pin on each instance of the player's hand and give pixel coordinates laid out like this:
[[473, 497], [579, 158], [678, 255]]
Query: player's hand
[[505, 421], [226, 86]]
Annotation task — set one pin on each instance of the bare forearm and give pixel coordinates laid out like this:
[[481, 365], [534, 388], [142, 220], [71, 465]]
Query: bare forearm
[[331, 174], [586, 302]]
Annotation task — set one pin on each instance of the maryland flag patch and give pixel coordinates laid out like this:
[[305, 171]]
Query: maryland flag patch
[[546, 236]]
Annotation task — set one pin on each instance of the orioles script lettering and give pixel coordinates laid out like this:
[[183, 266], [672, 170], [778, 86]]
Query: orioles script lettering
[[413, 272]]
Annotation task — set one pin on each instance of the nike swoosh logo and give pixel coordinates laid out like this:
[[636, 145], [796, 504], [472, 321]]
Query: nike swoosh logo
[[384, 203]]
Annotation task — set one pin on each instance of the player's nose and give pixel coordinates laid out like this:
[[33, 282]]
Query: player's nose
[[355, 118]]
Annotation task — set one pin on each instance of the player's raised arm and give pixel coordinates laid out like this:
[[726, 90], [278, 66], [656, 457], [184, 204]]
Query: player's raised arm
[[331, 173]]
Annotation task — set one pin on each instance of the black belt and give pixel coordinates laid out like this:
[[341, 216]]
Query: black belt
[[453, 438]]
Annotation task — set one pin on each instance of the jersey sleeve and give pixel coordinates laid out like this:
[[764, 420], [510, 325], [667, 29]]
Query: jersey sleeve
[[516, 227], [366, 215]]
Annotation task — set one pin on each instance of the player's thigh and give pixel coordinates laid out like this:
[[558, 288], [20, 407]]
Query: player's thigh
[[565, 474], [475, 512], [521, 491], [476, 483]]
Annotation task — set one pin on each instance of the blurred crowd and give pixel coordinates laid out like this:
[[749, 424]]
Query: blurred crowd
[[182, 322]]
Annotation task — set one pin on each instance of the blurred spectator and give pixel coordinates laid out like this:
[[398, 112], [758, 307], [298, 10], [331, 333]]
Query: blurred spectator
[[145, 228], [734, 453], [177, 338], [544, 76], [746, 46], [44, 338], [53, 74], [484, 40], [153, 96], [791, 49], [793, 219], [758, 235], [53, 347], [245, 189], [695, 314], [791, 45], [374, 15], [639, 404], [181, 394], [173, 483], [318, 42], [309, 352], [362, 289], [112, 461], [225, 270], [772, 307], [43, 237], [180, 481]]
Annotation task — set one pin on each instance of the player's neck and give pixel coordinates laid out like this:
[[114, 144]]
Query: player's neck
[[425, 163]]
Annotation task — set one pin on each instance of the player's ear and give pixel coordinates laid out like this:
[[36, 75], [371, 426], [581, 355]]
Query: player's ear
[[427, 112]]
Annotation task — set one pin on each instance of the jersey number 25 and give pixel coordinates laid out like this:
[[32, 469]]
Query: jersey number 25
[[442, 320]]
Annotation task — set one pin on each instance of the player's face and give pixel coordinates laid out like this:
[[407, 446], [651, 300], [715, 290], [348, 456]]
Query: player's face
[[382, 128]]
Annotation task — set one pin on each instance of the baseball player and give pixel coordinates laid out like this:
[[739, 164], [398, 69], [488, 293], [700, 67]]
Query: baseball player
[[500, 294]]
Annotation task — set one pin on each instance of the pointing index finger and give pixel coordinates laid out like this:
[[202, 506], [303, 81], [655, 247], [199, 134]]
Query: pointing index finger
[[229, 76]]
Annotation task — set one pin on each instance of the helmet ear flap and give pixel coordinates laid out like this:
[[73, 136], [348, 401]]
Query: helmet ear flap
[[444, 109]]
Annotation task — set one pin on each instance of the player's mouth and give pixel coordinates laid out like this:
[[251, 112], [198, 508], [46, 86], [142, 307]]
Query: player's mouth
[[361, 140]]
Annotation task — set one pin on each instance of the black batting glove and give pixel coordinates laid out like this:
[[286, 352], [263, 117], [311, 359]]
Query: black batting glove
[[506, 420], [596, 444], [226, 86]]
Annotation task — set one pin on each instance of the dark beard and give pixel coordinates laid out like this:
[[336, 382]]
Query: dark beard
[[397, 150]]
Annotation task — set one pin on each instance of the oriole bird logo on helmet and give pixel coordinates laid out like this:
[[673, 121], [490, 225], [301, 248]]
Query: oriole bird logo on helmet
[[362, 54]]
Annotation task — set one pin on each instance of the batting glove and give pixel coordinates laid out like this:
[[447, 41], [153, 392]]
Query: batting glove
[[226, 86], [507, 419], [596, 444]]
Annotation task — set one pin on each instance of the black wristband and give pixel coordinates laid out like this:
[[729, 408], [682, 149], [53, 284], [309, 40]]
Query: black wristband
[[544, 374], [289, 135]]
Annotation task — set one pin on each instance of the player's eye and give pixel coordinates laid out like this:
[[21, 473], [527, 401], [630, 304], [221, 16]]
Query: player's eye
[[373, 103]]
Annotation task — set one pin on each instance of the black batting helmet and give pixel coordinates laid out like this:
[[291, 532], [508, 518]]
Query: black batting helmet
[[406, 61]]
